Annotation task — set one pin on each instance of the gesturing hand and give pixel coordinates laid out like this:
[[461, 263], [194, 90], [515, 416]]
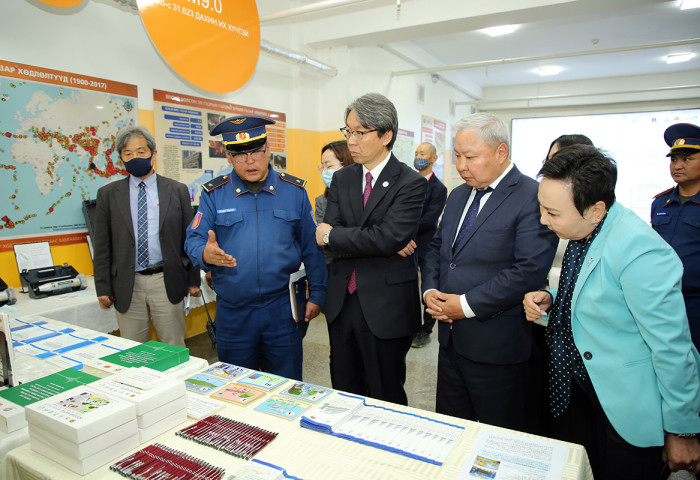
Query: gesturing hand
[[214, 255]]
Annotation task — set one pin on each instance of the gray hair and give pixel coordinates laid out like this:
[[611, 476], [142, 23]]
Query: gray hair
[[126, 133], [374, 110], [489, 128]]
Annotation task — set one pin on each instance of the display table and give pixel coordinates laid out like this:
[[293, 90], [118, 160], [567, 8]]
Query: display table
[[30, 368], [79, 308], [304, 453]]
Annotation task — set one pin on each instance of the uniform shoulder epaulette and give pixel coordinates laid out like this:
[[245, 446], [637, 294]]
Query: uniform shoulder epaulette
[[215, 183], [664, 192], [293, 180]]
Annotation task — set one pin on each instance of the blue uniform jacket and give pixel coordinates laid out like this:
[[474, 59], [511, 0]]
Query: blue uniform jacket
[[680, 227], [269, 234], [632, 333]]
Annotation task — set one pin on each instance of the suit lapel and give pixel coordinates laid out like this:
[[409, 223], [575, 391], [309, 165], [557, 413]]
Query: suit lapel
[[503, 190], [450, 226], [355, 192], [386, 181], [121, 193], [163, 202]]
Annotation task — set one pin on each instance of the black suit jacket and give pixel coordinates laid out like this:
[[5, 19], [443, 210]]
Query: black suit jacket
[[506, 253], [115, 242], [367, 238], [434, 203]]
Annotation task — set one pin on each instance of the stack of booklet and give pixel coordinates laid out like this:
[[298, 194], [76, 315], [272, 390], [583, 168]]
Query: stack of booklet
[[156, 355], [160, 399], [82, 428], [14, 399]]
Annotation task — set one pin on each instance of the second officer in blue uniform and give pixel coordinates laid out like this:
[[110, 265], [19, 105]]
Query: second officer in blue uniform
[[675, 214], [253, 229]]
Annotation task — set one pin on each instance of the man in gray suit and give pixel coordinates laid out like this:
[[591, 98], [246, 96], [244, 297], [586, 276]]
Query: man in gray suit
[[140, 263]]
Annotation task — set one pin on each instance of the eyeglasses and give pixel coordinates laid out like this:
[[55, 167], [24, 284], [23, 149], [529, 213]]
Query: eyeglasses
[[323, 168], [357, 134], [256, 156]]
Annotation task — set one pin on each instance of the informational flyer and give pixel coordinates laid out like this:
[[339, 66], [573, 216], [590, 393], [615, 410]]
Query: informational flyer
[[405, 146], [434, 131], [502, 455], [186, 151]]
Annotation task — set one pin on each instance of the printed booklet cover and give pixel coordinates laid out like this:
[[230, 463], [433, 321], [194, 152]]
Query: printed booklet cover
[[264, 380], [307, 392], [239, 394], [283, 407], [203, 384]]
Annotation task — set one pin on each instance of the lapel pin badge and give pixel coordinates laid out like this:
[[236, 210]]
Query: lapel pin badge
[[385, 184], [590, 260]]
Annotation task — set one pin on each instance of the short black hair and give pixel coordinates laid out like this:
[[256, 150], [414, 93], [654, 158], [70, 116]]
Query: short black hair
[[591, 173], [568, 140]]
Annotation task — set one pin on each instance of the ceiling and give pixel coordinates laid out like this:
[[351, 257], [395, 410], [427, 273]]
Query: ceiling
[[590, 39]]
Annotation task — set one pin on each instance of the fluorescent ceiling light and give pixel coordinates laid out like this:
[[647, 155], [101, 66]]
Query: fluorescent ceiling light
[[688, 4], [679, 57], [500, 30], [548, 70]]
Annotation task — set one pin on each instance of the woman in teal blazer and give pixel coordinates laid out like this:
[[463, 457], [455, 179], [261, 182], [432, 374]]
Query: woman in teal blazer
[[622, 366]]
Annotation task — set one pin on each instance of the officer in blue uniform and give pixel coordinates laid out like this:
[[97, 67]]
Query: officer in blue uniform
[[253, 229], [675, 214]]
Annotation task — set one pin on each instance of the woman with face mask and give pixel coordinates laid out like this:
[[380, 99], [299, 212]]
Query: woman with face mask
[[334, 156]]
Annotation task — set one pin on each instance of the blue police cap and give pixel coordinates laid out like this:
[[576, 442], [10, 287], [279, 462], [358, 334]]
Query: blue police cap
[[243, 133], [683, 138]]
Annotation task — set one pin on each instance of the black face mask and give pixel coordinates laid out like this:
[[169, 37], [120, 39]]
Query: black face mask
[[139, 167]]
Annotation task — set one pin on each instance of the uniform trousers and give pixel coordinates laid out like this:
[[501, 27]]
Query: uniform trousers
[[149, 303], [265, 324], [362, 363], [493, 394]]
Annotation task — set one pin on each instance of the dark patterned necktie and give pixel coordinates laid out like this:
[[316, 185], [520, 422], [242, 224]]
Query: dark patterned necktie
[[469, 218], [142, 225], [352, 286]]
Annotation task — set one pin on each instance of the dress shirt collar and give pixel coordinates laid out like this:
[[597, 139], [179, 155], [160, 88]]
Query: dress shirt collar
[[495, 183], [376, 171], [149, 181]]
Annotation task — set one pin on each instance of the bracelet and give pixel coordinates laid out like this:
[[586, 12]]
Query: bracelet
[[686, 436]]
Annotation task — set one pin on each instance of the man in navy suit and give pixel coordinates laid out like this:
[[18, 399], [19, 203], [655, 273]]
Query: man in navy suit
[[490, 248], [434, 203], [373, 304]]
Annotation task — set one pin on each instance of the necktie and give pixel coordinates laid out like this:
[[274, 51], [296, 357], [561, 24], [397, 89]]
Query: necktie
[[352, 286], [469, 218], [142, 225]]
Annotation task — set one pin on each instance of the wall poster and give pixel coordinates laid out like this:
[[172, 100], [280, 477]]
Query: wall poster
[[404, 147], [57, 131], [434, 131], [188, 154]]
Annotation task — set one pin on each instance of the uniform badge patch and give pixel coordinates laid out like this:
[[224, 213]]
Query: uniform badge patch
[[196, 219]]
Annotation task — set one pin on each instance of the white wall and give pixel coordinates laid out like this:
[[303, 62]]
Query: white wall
[[101, 38]]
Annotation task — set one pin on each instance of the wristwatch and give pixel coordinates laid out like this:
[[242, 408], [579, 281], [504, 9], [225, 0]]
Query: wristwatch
[[325, 237]]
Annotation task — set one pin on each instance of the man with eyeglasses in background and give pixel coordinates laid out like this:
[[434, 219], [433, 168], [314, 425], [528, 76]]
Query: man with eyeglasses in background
[[374, 207], [253, 229]]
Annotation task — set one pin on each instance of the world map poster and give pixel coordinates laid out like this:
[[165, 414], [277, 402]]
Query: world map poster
[[57, 133]]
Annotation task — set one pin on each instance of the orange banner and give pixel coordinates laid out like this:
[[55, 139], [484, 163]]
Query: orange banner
[[54, 240], [57, 77], [214, 44]]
